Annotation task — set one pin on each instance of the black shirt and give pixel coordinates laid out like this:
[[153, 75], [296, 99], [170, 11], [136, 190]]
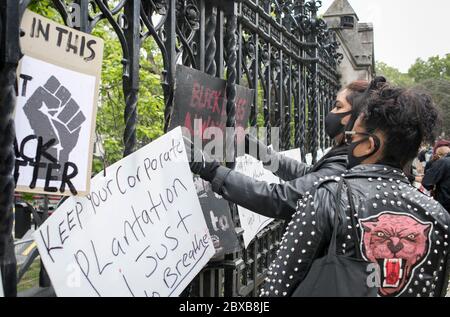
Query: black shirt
[[438, 174], [421, 156]]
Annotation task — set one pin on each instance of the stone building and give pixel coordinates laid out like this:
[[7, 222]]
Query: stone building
[[356, 39]]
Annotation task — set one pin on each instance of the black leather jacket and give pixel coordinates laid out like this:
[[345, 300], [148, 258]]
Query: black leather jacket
[[395, 223], [277, 200]]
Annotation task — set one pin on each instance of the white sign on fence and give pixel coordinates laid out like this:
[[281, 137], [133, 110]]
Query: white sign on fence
[[251, 222], [319, 154], [58, 86], [294, 154], [309, 158], [1, 285], [140, 231]]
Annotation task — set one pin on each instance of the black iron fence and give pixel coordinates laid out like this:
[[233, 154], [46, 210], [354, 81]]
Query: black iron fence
[[280, 48]]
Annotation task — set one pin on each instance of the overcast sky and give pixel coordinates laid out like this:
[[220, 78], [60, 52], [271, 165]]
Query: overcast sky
[[405, 29]]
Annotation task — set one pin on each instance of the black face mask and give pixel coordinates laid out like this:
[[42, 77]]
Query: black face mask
[[333, 125], [354, 160]]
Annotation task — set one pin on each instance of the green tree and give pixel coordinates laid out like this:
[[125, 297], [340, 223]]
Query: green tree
[[440, 90], [435, 67], [46, 9], [393, 75], [433, 75], [110, 116]]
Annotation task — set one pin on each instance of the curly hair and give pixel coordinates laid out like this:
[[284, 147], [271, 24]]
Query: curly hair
[[358, 93], [406, 117]]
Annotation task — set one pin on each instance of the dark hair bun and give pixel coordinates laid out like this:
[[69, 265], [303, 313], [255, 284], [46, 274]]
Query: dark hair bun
[[377, 83], [407, 117]]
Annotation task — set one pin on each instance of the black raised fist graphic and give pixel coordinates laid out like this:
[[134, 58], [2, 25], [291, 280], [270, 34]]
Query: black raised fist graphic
[[54, 114]]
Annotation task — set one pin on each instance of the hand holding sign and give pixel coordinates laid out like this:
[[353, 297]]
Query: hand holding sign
[[199, 162], [53, 114]]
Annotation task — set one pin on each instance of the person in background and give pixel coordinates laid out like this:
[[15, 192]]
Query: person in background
[[441, 152], [435, 154], [419, 170], [376, 214], [410, 171], [437, 177], [425, 154]]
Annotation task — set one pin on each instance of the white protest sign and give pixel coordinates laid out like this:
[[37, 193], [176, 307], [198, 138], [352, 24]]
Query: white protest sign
[[140, 231], [309, 158], [58, 86], [1, 285], [319, 154], [294, 154], [251, 222]]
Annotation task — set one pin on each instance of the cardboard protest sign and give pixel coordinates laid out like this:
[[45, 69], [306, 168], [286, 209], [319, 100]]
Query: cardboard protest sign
[[140, 231], [58, 86], [251, 222], [200, 96], [218, 218]]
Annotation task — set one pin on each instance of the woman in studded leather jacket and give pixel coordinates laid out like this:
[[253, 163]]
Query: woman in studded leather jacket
[[279, 200], [389, 222]]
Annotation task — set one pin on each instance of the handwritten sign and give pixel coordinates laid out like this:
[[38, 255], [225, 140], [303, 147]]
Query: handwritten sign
[[140, 231], [58, 86], [251, 222], [200, 96], [293, 154]]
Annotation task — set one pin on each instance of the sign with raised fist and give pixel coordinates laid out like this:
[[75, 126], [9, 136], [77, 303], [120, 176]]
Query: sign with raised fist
[[59, 77]]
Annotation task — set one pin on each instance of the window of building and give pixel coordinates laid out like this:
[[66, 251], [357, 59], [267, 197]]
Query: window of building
[[348, 22]]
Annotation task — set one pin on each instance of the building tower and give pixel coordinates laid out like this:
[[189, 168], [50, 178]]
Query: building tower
[[356, 42]]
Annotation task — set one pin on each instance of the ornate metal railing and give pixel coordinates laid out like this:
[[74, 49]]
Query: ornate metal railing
[[277, 47]]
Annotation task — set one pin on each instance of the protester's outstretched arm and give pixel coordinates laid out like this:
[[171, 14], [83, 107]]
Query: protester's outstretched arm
[[285, 168], [289, 169], [271, 200]]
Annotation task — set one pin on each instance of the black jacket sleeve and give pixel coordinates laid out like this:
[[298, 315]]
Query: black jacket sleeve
[[271, 200], [434, 174], [290, 169]]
